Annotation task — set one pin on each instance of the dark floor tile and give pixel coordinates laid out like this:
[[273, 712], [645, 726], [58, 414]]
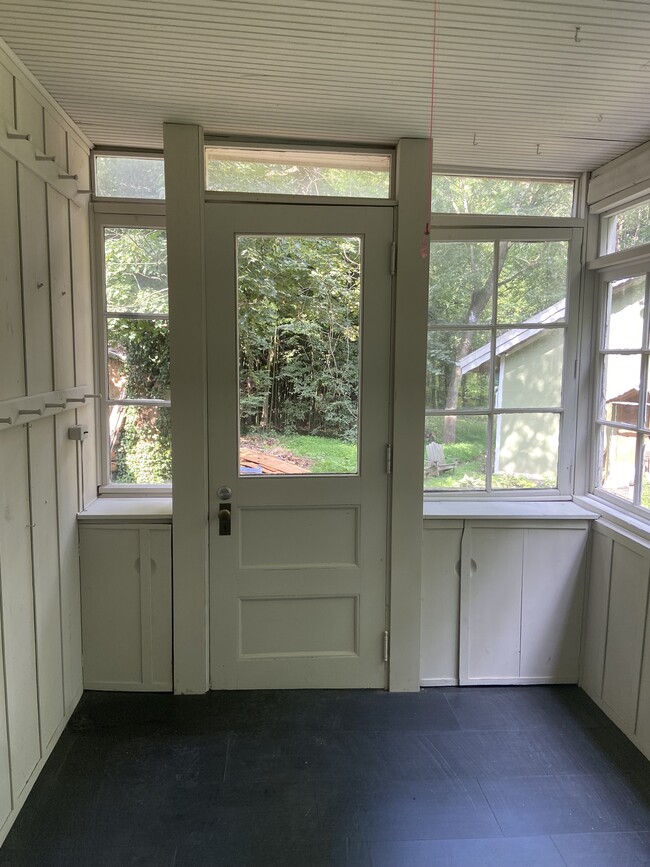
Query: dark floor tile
[[406, 810], [490, 852], [150, 856], [229, 851], [568, 804], [508, 708], [367, 711], [623, 849], [331, 755], [502, 753]]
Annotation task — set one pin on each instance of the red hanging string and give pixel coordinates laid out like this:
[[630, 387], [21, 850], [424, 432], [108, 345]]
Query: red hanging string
[[424, 244]]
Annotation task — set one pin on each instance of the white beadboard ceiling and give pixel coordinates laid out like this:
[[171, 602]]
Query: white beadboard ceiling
[[517, 85]]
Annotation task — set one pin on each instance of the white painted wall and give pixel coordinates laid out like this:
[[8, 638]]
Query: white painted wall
[[45, 345]]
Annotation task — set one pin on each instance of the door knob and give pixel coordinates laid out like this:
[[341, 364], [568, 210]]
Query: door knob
[[224, 517]]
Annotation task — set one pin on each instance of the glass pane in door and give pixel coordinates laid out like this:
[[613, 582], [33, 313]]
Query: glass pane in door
[[299, 302]]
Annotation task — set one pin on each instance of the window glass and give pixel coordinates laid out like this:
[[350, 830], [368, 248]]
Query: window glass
[[297, 173], [137, 355], [627, 229], [625, 303], [476, 363], [130, 177], [520, 197]]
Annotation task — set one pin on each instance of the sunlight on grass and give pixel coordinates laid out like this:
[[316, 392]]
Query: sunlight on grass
[[325, 454]]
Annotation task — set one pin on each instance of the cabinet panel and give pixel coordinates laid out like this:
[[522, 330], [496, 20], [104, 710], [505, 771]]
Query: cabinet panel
[[5, 777], [625, 628], [595, 638], [491, 603], [161, 607], [12, 362], [126, 606], [552, 600], [440, 605]]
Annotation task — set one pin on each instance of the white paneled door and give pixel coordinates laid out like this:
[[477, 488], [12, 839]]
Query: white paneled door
[[299, 335]]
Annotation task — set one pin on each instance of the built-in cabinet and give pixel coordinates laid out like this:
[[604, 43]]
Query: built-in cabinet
[[502, 600], [126, 596], [616, 652]]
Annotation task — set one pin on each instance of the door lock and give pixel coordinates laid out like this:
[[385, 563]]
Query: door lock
[[224, 516]]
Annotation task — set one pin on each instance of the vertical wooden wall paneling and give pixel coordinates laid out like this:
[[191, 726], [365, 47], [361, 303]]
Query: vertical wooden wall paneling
[[40, 336], [145, 606], [37, 315], [625, 629], [12, 355], [592, 664], [47, 576], [18, 608]]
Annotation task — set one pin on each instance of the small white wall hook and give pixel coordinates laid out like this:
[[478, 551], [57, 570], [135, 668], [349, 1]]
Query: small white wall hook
[[75, 400], [475, 142], [95, 396], [66, 177], [55, 405], [84, 192], [45, 158], [38, 411], [21, 136], [8, 420], [576, 36], [538, 150]]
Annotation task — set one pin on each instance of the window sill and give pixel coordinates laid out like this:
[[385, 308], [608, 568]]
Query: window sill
[[626, 522], [509, 510], [143, 510]]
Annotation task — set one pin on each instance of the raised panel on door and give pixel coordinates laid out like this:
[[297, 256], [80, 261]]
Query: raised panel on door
[[491, 575], [298, 588], [36, 282], [47, 598], [595, 622], [29, 116], [552, 601], [61, 289], [440, 605], [12, 360], [7, 96], [111, 606], [18, 608], [625, 632]]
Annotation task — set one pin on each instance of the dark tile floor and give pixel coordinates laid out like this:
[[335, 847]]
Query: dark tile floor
[[475, 776]]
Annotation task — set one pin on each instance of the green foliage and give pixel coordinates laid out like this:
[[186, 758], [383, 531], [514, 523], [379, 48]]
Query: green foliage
[[326, 455], [135, 262], [143, 455], [451, 194], [130, 177], [298, 334], [251, 177]]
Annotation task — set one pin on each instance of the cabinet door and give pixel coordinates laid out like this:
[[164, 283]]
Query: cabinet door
[[126, 607], [491, 574], [440, 603], [551, 605]]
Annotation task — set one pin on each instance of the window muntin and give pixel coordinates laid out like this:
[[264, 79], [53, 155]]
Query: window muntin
[[488, 378], [127, 177], [281, 171], [622, 418], [518, 197], [136, 360]]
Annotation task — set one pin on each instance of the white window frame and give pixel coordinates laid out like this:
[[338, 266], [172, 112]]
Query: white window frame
[[107, 213], [447, 227]]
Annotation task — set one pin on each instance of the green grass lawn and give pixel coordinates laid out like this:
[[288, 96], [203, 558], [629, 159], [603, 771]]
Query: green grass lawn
[[326, 454]]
